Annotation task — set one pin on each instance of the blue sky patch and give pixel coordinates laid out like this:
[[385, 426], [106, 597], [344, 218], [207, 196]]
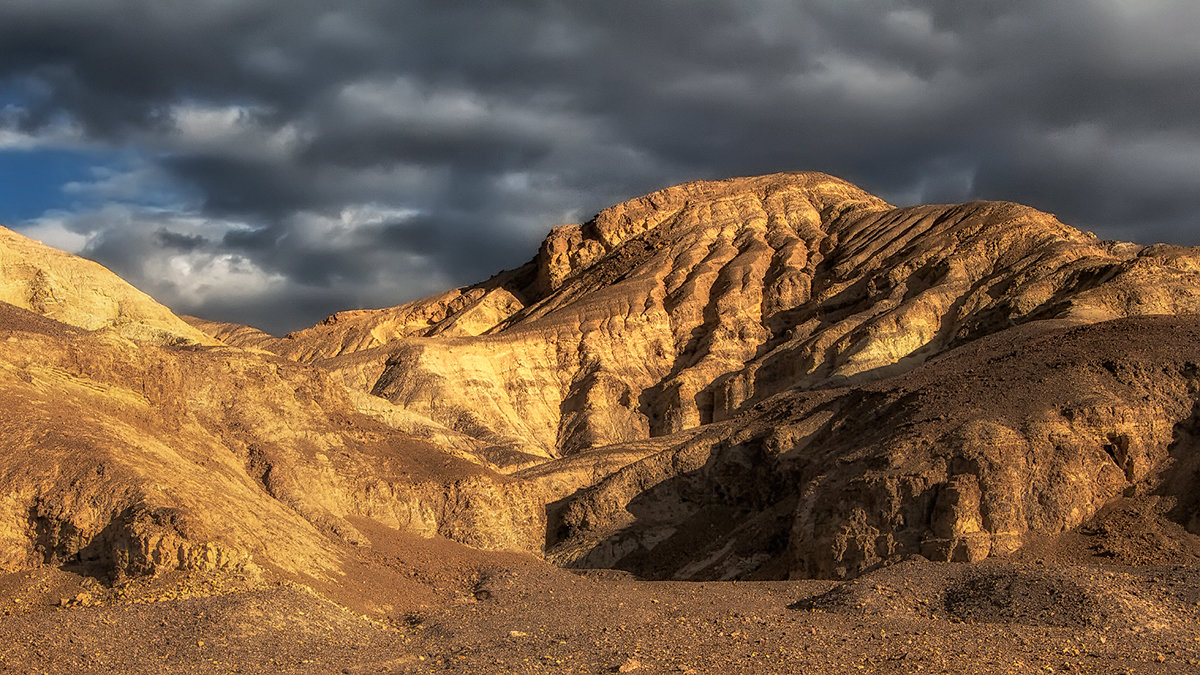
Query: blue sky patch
[[31, 181]]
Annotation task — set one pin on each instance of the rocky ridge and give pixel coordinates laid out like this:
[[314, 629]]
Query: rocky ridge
[[687, 305]]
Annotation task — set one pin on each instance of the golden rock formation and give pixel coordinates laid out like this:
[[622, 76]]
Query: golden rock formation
[[678, 312], [758, 377], [685, 306]]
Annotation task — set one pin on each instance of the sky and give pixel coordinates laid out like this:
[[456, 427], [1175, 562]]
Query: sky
[[271, 162]]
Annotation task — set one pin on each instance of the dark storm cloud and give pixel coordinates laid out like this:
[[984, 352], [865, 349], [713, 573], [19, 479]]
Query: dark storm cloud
[[364, 153], [178, 241], [232, 186]]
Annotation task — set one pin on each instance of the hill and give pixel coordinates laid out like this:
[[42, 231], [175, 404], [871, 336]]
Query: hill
[[781, 380]]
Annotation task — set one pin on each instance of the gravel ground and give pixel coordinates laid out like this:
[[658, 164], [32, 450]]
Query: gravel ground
[[465, 611]]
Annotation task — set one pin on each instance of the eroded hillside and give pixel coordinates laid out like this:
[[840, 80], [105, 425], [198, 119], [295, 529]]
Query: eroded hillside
[[760, 377], [764, 376], [685, 306], [130, 450], [1027, 434]]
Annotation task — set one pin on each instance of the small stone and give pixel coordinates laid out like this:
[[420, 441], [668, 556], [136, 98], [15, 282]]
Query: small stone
[[629, 666]]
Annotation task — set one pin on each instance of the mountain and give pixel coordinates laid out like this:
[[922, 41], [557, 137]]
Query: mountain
[[624, 369], [684, 306], [769, 378]]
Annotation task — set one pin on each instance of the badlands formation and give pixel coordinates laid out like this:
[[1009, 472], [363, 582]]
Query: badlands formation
[[758, 425]]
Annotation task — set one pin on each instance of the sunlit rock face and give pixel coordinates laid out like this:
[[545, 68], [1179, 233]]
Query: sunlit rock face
[[682, 307]]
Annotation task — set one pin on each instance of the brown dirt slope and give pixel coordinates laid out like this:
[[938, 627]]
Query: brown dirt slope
[[493, 616]]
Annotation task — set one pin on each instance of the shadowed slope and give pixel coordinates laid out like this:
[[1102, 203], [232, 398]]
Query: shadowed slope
[[1031, 431]]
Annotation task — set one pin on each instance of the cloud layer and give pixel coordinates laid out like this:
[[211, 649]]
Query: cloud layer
[[272, 162]]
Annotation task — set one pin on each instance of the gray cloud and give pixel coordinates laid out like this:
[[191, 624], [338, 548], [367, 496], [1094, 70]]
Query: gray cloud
[[364, 155]]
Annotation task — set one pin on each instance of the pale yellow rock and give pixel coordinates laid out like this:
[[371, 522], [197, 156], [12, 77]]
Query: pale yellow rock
[[82, 293], [134, 458]]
